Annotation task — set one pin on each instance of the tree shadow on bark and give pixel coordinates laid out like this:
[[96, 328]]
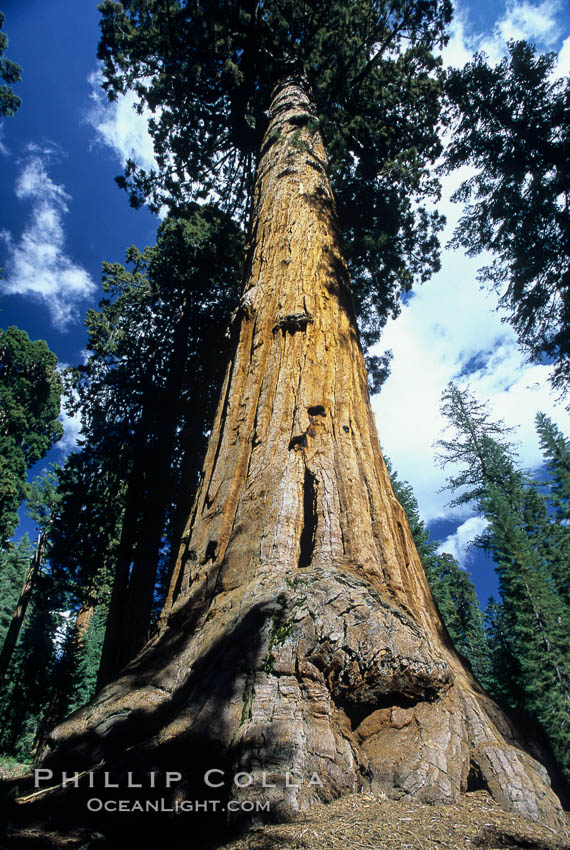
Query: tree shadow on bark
[[133, 742]]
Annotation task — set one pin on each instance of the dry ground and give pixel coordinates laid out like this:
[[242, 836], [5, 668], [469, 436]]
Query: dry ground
[[356, 822], [363, 822]]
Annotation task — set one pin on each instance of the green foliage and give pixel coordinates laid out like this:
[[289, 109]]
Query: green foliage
[[29, 687], [477, 443], [85, 529], [452, 589], [529, 631], [536, 621], [281, 628], [54, 664], [10, 73], [459, 607], [505, 667], [147, 394], [186, 286], [512, 122], [89, 656], [556, 451], [30, 652], [14, 563], [206, 72], [30, 390]]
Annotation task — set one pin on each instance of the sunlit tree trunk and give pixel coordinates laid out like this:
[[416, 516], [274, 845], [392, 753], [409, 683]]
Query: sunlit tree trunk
[[299, 634]]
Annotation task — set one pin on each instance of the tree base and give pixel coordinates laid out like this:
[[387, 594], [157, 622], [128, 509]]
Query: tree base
[[291, 690]]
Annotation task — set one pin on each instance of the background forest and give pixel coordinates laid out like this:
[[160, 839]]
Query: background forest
[[82, 579]]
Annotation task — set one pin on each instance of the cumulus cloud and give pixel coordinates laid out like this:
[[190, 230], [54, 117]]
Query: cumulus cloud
[[451, 330], [459, 544], [536, 22], [563, 67], [37, 265], [119, 126], [461, 45], [529, 21]]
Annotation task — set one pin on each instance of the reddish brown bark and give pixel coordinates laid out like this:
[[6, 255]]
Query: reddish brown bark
[[299, 635]]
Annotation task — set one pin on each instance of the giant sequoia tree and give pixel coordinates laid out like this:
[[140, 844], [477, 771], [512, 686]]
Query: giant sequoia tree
[[299, 643]]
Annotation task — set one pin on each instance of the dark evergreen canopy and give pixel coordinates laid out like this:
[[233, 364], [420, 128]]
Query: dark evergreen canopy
[[30, 390], [206, 70], [512, 122], [10, 73]]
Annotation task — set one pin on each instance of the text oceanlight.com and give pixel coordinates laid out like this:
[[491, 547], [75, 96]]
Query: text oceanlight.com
[[215, 778], [95, 804]]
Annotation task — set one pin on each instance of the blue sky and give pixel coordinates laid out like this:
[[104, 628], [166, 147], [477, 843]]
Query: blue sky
[[62, 216]]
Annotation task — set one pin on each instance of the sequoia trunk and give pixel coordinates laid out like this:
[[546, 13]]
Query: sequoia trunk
[[300, 643]]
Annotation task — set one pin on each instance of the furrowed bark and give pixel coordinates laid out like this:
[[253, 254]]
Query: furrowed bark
[[300, 637]]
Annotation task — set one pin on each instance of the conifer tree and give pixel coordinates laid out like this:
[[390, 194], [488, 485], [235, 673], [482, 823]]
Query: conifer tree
[[27, 689], [452, 588], [505, 667], [511, 121], [14, 562], [42, 503], [463, 617], [207, 71], [10, 73], [28, 659], [531, 626], [556, 450], [477, 443], [535, 620], [297, 560], [146, 395], [30, 391]]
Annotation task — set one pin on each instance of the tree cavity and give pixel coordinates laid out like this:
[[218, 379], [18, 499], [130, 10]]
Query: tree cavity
[[309, 530]]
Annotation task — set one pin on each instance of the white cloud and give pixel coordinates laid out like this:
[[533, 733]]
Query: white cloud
[[71, 432], [536, 22], [119, 126], [3, 149], [563, 67], [449, 331], [37, 265], [458, 544], [460, 47]]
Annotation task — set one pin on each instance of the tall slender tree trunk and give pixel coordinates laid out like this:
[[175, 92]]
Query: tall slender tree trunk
[[162, 412], [15, 626], [131, 608], [112, 657], [57, 707], [300, 642]]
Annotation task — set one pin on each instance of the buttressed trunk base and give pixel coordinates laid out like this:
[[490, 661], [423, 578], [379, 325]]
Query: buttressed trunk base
[[300, 645]]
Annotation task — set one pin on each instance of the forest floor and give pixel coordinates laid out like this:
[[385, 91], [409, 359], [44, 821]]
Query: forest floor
[[355, 822], [364, 822]]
